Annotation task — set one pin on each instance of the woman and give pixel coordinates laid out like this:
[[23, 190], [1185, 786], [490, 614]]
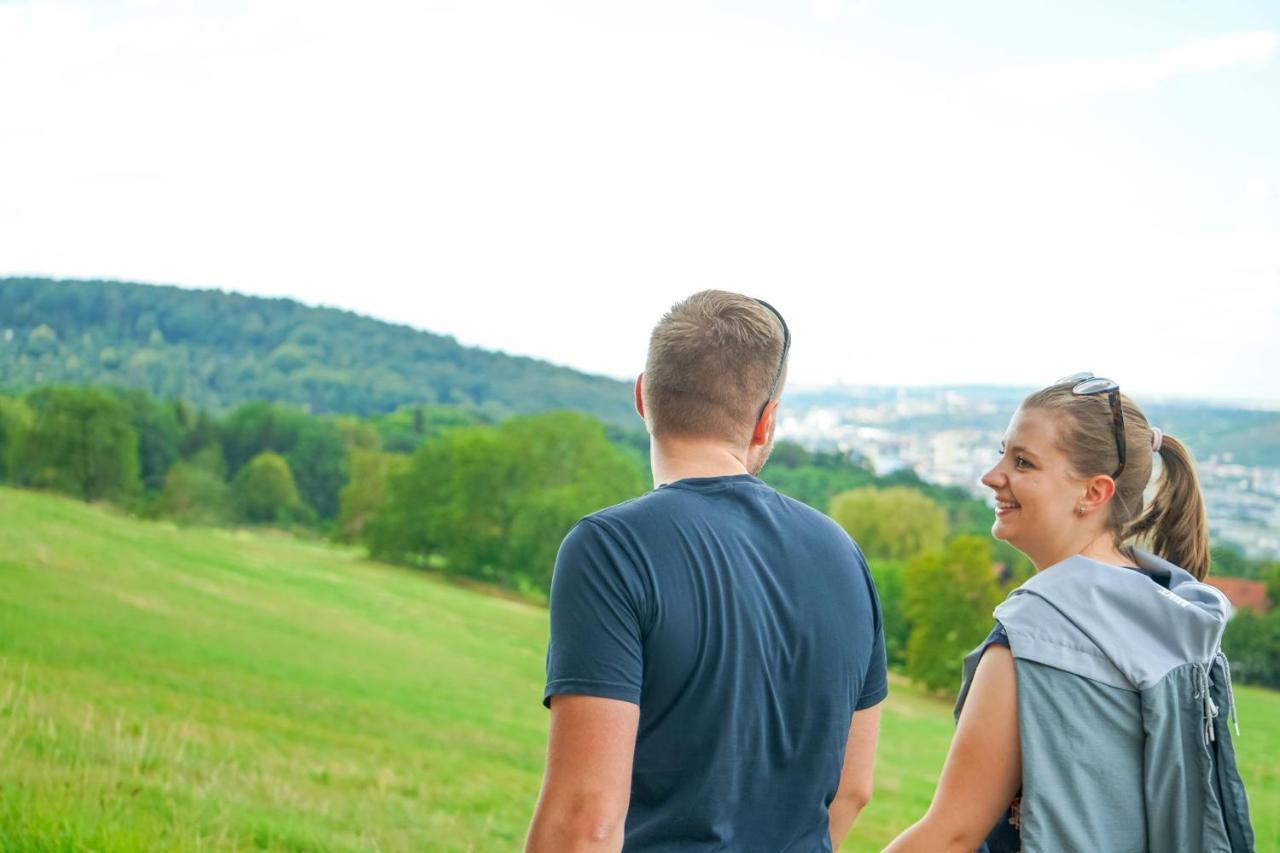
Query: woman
[[1094, 717]]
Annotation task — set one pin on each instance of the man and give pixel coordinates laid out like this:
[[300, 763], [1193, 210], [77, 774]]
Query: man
[[716, 658]]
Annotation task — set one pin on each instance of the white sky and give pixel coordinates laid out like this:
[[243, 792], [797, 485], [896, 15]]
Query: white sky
[[997, 192]]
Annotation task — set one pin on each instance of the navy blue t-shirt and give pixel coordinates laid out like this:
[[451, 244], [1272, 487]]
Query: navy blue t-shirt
[[746, 627]]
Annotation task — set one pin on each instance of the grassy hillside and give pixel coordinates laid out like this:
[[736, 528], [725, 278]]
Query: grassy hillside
[[199, 689], [217, 350]]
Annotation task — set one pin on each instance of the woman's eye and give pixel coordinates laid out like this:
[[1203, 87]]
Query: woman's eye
[[1021, 463]]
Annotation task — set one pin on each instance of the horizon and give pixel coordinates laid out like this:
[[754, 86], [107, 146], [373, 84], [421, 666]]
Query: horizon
[[1208, 401]]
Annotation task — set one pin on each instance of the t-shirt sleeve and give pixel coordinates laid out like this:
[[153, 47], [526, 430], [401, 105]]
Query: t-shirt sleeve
[[875, 686], [596, 646]]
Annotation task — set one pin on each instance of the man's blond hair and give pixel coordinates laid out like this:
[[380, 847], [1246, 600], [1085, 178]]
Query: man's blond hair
[[712, 362]]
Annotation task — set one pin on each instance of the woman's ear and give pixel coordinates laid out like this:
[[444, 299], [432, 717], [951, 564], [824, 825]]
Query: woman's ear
[[1098, 492]]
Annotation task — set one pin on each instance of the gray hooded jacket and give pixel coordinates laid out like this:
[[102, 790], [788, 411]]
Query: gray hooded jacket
[[1123, 700]]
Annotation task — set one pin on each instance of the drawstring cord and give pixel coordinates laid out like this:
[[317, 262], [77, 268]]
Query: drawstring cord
[[1231, 696], [1208, 710]]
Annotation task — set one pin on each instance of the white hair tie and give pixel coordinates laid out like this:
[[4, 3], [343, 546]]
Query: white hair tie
[[1157, 439]]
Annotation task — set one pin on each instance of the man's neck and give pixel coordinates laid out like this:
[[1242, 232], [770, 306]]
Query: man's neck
[[677, 459]]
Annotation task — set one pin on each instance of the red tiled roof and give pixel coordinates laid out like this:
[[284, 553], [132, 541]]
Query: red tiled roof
[[1242, 593]]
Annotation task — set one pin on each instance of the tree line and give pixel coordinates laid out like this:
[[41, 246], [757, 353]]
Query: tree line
[[458, 492], [219, 350]]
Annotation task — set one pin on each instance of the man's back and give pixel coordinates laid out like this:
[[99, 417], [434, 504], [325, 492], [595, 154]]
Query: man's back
[[744, 624]]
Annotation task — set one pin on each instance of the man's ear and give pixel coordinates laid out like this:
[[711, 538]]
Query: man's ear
[[640, 396], [764, 426]]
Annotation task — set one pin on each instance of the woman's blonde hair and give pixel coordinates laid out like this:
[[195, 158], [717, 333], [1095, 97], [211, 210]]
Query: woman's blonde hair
[[1173, 525]]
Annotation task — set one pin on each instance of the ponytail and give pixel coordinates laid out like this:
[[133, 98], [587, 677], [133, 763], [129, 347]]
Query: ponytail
[[1175, 523]]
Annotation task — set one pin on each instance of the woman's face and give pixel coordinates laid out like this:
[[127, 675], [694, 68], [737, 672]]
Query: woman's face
[[1036, 491]]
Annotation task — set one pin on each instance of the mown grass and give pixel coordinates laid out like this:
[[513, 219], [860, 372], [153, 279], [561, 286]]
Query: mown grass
[[210, 690]]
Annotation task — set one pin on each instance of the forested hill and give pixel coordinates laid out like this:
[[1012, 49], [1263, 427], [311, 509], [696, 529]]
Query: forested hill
[[217, 350]]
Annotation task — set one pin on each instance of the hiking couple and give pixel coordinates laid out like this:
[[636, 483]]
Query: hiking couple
[[716, 664]]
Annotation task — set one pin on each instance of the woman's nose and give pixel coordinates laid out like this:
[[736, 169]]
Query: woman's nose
[[991, 479]]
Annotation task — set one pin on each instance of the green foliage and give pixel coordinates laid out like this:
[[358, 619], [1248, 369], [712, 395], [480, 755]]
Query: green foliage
[[949, 598], [1270, 574], [258, 427], [405, 429], [217, 350], [813, 477], [1252, 644], [1226, 558], [888, 578], [567, 469], [81, 443], [198, 431], [366, 492], [194, 494], [455, 480], [15, 423], [313, 447], [965, 513], [159, 434], [357, 434], [494, 503], [264, 492], [895, 523], [634, 445], [319, 461]]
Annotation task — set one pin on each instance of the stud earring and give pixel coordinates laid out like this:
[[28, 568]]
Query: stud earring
[[1079, 510]]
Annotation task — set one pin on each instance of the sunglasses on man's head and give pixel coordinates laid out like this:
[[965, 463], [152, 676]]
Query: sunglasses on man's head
[[1087, 385], [786, 347]]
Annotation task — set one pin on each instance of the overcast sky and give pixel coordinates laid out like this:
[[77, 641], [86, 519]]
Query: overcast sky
[[930, 192]]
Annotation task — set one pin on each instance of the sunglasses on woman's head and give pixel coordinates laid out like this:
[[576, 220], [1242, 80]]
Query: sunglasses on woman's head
[[1087, 385]]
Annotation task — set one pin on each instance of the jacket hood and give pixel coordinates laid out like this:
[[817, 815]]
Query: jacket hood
[[1123, 627]]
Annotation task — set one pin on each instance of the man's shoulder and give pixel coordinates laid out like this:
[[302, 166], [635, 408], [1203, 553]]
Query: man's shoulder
[[621, 513], [669, 506]]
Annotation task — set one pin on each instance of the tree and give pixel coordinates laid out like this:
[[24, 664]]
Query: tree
[[451, 501], [568, 469], [264, 491], [367, 489], [888, 577], [356, 433], [813, 477], [318, 461], [259, 427], [1252, 644], [198, 432], [405, 429], [494, 503], [895, 523], [313, 447], [159, 435], [15, 423], [950, 595], [1270, 574], [1228, 559], [80, 442], [193, 494]]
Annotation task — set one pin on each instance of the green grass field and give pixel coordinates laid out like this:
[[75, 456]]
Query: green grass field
[[202, 689]]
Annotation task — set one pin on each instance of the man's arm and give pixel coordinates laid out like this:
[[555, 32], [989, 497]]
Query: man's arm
[[984, 767], [854, 791], [587, 786]]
